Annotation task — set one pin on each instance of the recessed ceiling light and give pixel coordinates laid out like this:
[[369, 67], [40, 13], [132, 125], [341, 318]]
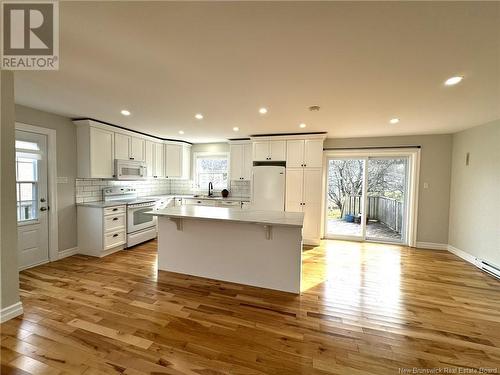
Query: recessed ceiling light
[[198, 116], [181, 131], [453, 80], [394, 120], [302, 125], [262, 111], [125, 112], [236, 129]]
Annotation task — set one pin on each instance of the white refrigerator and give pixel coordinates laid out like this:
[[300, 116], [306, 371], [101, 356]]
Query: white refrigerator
[[268, 190]]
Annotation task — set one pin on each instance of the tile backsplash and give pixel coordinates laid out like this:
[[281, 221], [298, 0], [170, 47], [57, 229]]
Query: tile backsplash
[[90, 190]]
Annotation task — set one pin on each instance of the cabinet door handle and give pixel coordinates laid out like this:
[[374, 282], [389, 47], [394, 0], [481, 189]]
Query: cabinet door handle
[[115, 218], [131, 158], [115, 235], [115, 209]]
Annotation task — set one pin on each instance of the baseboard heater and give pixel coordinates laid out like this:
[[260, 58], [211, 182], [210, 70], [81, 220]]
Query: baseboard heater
[[491, 269]]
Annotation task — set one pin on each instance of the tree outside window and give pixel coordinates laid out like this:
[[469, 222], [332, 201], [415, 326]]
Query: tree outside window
[[211, 168]]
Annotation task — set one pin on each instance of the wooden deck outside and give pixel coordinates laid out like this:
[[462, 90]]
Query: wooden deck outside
[[364, 309]]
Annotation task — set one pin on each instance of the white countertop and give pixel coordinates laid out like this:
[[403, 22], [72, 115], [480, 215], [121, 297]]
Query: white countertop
[[281, 218], [103, 204]]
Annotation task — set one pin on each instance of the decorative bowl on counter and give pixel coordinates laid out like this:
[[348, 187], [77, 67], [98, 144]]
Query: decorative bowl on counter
[[224, 193]]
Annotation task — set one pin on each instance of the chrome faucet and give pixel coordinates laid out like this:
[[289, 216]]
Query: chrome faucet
[[210, 188]]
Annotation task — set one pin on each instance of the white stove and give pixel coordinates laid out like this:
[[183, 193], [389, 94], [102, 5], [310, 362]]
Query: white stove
[[140, 226]]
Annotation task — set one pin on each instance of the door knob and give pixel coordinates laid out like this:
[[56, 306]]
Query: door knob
[[42, 199], [43, 208]]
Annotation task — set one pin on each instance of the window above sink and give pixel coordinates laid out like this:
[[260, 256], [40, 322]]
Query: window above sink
[[211, 167]]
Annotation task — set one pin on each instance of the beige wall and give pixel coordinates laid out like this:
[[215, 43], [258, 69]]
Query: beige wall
[[8, 220], [210, 147], [475, 192], [435, 167], [66, 167]]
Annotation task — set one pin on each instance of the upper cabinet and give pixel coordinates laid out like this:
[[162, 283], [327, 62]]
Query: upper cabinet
[[95, 150], [99, 145], [154, 159], [101, 153], [177, 160], [269, 150], [241, 161], [304, 153], [129, 147]]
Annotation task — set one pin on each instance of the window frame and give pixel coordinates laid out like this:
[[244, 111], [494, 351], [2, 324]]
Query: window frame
[[25, 154], [208, 155]]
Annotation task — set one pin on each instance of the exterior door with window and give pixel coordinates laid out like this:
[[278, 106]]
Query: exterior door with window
[[32, 205]]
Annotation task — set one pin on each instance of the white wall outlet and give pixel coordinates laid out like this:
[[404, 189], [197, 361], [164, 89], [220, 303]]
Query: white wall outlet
[[426, 185]]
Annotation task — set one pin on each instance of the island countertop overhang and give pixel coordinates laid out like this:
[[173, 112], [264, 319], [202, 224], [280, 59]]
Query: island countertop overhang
[[275, 218]]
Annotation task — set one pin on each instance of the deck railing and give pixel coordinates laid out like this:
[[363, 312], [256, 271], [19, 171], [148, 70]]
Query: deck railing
[[385, 210]]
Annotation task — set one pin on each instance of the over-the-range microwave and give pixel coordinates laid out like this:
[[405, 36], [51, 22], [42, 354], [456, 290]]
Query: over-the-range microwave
[[130, 170]]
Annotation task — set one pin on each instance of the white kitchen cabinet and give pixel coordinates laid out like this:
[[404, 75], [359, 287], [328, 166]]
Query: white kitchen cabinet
[[137, 146], [101, 230], [261, 151], [241, 161], [173, 161], [304, 153], [269, 150], [303, 194], [177, 159], [199, 202], [122, 144], [129, 147], [154, 159], [149, 158], [295, 153], [294, 190], [277, 150], [95, 150], [312, 204], [158, 165]]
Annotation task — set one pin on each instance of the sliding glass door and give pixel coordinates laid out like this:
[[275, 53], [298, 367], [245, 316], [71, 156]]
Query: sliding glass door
[[345, 204], [366, 198]]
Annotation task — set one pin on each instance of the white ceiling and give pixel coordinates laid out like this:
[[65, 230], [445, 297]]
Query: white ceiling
[[363, 63]]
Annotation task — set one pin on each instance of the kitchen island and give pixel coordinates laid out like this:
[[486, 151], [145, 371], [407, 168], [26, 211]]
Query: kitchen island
[[258, 248]]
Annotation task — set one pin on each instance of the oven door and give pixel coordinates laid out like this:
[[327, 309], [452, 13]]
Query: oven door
[[138, 220]]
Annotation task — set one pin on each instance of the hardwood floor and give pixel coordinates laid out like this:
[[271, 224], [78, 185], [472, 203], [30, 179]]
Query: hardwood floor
[[365, 309]]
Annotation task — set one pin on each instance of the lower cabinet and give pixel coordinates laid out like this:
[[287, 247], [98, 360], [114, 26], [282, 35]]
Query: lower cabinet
[[303, 194], [213, 202], [101, 230]]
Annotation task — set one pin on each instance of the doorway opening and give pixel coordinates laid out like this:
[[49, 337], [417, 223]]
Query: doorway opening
[[371, 196], [36, 173]]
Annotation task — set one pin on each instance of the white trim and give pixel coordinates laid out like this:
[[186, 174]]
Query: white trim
[[11, 311], [432, 245], [51, 183], [22, 268], [465, 256], [68, 252]]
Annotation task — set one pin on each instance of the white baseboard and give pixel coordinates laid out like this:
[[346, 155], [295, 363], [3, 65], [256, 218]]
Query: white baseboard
[[11, 311], [465, 256], [432, 245], [68, 252]]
